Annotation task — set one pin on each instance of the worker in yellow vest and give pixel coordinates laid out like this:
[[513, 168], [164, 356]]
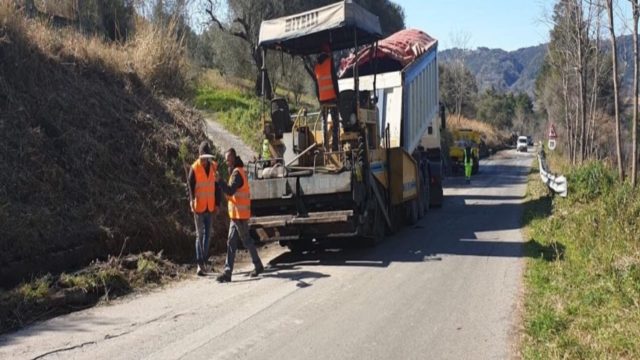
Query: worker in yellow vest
[[468, 164], [239, 207], [203, 201], [327, 89]]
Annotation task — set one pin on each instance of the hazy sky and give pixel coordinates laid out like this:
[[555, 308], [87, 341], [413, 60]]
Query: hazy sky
[[505, 24]]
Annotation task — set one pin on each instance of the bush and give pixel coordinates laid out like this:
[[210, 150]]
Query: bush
[[590, 181]]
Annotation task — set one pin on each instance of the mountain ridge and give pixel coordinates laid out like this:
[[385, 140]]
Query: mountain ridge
[[517, 70]]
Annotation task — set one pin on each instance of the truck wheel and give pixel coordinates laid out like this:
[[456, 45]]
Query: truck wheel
[[426, 195], [377, 226], [412, 212]]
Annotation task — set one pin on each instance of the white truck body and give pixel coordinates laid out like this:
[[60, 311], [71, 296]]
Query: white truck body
[[408, 102]]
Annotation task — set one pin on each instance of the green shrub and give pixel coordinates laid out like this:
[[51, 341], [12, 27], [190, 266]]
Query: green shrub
[[590, 181], [584, 304]]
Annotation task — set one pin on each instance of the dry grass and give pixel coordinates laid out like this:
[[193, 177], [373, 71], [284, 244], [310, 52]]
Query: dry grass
[[91, 157], [492, 137], [49, 295], [160, 58], [157, 55]]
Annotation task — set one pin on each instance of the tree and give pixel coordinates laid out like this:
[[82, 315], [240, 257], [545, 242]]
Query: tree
[[523, 121], [458, 88], [245, 17], [501, 109], [575, 82], [634, 128], [614, 58]]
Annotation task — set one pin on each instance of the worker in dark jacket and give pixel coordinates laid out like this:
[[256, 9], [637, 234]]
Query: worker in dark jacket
[[239, 207], [204, 198]]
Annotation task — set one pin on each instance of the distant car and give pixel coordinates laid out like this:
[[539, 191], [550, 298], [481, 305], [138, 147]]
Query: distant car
[[521, 145], [529, 140]]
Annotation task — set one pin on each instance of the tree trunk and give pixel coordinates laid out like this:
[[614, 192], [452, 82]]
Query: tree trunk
[[634, 130], [614, 56], [567, 118]]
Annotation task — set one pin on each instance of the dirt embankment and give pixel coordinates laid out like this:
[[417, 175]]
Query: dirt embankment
[[92, 161]]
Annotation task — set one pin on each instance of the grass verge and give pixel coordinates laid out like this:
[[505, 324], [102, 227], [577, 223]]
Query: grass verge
[[583, 276], [234, 105], [238, 112]]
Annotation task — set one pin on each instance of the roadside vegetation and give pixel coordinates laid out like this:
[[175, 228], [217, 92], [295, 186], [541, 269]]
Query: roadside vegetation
[[98, 129], [95, 144], [101, 281], [582, 281], [492, 137], [233, 102], [233, 106]]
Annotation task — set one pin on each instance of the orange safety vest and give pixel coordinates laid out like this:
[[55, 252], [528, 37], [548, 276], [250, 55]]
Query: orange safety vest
[[205, 191], [240, 202], [326, 91]]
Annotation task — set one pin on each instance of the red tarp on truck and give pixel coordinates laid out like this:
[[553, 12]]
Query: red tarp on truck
[[402, 47]]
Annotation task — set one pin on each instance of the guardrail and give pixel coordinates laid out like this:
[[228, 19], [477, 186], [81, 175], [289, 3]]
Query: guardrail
[[557, 183]]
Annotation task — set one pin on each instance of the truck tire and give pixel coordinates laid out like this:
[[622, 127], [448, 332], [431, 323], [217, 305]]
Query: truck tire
[[377, 225], [426, 201], [412, 212]]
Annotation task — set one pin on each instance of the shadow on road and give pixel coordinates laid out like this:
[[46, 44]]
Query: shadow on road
[[483, 221]]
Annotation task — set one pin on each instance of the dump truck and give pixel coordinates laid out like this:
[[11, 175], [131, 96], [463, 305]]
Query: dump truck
[[463, 138], [379, 177], [406, 85]]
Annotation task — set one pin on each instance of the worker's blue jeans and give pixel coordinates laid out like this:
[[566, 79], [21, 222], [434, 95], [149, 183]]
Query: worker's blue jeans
[[203, 234]]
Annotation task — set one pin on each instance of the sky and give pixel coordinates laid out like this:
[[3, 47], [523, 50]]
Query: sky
[[504, 24]]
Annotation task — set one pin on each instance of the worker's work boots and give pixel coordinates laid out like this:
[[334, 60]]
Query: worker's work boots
[[224, 277], [257, 271]]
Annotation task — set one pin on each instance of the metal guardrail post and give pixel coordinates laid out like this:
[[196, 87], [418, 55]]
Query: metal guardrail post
[[557, 183]]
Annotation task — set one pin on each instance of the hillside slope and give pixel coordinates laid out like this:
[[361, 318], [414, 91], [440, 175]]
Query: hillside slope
[[91, 160], [514, 71]]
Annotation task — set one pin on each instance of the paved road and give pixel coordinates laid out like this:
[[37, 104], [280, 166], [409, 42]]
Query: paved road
[[223, 139], [447, 288]]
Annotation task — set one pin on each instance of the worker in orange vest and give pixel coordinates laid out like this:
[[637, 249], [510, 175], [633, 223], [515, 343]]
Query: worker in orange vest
[[327, 89], [203, 201], [239, 207]]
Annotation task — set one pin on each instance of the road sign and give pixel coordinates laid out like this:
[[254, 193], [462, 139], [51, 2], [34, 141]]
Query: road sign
[[552, 132], [551, 144]]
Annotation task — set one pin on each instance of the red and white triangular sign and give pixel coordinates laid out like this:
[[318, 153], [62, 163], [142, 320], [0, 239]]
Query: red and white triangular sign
[[552, 132]]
